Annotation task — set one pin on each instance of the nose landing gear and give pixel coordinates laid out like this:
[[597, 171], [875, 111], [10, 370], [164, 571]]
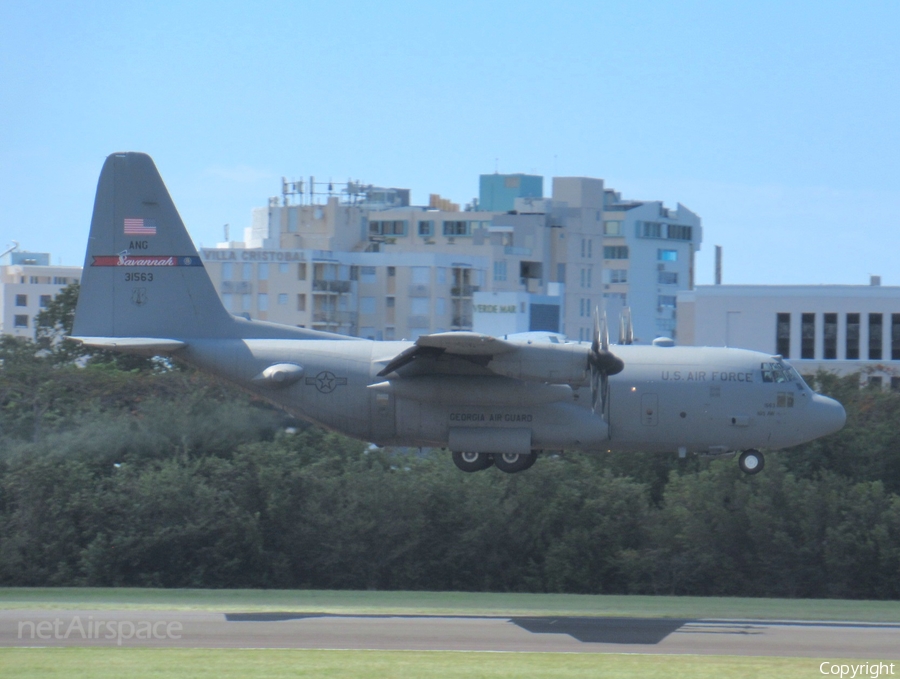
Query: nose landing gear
[[751, 462]]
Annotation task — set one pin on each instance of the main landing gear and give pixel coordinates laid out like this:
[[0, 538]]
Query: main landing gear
[[751, 461], [505, 462]]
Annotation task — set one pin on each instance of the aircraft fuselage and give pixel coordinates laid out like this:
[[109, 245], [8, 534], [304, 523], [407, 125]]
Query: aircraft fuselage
[[688, 399]]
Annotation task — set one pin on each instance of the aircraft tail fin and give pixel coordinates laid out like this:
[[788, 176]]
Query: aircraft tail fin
[[142, 274]]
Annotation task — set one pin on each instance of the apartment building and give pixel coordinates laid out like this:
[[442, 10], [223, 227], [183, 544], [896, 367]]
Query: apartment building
[[367, 263]]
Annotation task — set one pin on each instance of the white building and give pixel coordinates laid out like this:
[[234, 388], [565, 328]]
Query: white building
[[27, 284], [840, 328], [370, 264]]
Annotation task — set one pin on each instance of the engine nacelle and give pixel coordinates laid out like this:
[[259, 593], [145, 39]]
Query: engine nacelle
[[551, 363]]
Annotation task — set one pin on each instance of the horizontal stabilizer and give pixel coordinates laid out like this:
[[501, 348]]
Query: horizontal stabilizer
[[150, 346]]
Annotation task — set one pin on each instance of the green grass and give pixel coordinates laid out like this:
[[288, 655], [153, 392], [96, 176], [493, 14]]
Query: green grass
[[95, 663], [447, 603]]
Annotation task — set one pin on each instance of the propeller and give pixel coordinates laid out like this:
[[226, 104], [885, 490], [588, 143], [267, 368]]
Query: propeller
[[602, 363]]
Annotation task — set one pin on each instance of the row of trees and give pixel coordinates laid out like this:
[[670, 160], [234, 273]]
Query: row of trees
[[146, 475]]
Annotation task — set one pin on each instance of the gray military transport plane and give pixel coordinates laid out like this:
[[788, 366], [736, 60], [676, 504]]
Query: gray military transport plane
[[489, 400]]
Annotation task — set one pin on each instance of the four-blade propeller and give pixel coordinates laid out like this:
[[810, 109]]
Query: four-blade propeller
[[602, 362]]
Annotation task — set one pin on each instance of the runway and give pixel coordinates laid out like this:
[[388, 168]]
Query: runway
[[201, 629]]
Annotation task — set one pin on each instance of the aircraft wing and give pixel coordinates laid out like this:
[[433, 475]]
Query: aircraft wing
[[476, 354]]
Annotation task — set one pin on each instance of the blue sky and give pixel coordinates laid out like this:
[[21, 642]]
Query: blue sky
[[776, 122]]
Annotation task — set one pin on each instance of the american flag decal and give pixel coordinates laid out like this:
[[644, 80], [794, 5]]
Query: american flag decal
[[140, 227]]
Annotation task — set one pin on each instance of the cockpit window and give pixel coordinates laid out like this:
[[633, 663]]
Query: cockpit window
[[778, 373], [781, 373]]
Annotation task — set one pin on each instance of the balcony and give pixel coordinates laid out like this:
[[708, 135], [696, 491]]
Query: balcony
[[337, 287], [335, 317], [463, 290], [239, 287]]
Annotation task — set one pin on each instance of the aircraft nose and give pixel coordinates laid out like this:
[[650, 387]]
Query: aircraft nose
[[829, 414]]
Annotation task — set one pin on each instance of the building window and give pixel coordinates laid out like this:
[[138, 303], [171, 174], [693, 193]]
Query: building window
[[807, 336], [227, 271], [680, 232], [783, 335], [874, 381], [585, 278], [617, 275], [245, 302], [612, 228], [301, 302], [667, 300], [301, 271], [650, 229], [615, 252], [283, 267], [60, 280], [895, 337], [667, 255], [262, 302], [392, 271], [246, 271], [668, 278], [367, 305], [282, 298], [875, 326], [262, 271], [395, 227], [587, 247], [456, 228], [420, 275], [830, 335], [45, 301], [228, 301], [420, 306], [852, 337], [895, 384], [20, 321], [500, 271], [426, 228], [21, 300]]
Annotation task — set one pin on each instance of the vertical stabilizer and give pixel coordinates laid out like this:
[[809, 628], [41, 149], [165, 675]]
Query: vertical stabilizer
[[142, 274]]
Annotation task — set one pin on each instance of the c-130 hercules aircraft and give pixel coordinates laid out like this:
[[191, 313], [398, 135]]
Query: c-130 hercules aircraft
[[491, 401]]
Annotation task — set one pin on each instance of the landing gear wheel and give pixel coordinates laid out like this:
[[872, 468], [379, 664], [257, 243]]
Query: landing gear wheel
[[751, 462], [472, 462], [514, 462]]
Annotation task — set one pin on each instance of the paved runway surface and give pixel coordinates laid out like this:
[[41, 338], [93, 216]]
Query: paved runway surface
[[189, 629]]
